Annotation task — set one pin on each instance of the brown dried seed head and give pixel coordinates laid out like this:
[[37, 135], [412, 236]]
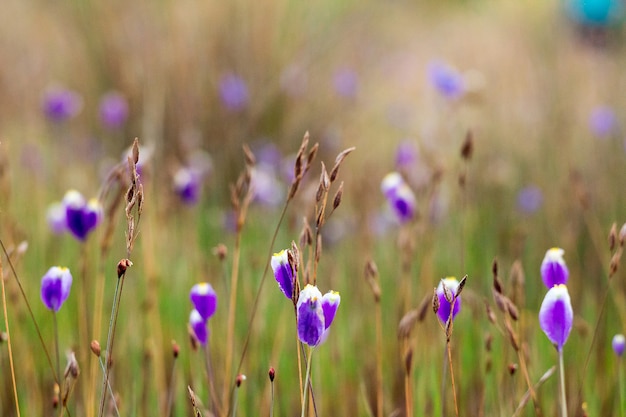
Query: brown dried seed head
[[490, 314], [272, 374], [407, 322], [459, 289], [371, 270], [342, 155], [622, 234], [612, 237], [488, 342], [318, 248], [239, 380], [512, 335], [175, 349], [312, 155], [435, 301], [423, 308], [468, 146], [500, 300], [338, 195], [122, 266], [512, 310], [135, 151], [95, 347], [494, 268], [613, 266], [408, 361], [512, 367], [248, 155], [447, 293], [221, 251]]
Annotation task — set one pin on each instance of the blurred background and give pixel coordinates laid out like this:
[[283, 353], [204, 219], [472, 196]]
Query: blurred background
[[541, 85]]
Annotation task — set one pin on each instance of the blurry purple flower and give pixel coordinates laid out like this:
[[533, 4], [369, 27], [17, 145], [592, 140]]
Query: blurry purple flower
[[113, 110], [81, 216], [265, 185], [447, 81], [199, 327], [529, 199], [330, 303], [204, 299], [553, 268], [400, 197], [406, 154], [187, 184], [346, 82], [443, 313], [556, 315], [233, 92], [310, 316], [56, 217], [603, 122], [283, 273], [619, 344], [267, 153], [60, 104], [55, 287]]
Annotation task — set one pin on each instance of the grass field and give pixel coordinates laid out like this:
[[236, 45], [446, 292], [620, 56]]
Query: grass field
[[505, 119]]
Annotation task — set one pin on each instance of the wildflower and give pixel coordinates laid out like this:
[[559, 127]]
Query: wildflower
[[603, 122], [346, 82], [60, 104], [233, 92], [56, 217], [399, 196], [556, 315], [553, 268], [330, 303], [619, 343], [447, 81], [199, 327], [529, 199], [443, 312], [406, 154], [55, 287], [81, 216], [113, 110], [204, 299], [187, 185], [283, 272], [311, 314]]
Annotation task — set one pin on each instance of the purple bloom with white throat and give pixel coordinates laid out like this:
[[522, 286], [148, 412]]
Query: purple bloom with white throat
[[447, 81], [60, 104], [556, 315], [204, 299], [283, 272], [113, 110], [199, 327], [315, 313], [187, 185], [55, 287], [400, 197], [619, 344], [445, 306], [553, 268], [81, 216]]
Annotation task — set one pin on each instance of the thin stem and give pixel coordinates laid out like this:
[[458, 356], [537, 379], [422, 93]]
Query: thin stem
[[6, 325], [620, 382], [170, 391], [272, 399], [56, 343], [231, 316], [379, 361], [209, 373], [444, 374], [117, 412], [563, 400], [306, 382], [407, 394], [456, 405]]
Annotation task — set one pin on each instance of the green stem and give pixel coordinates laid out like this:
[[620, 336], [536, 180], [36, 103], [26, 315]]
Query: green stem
[[56, 343], [306, 382], [620, 382], [563, 401], [272, 401]]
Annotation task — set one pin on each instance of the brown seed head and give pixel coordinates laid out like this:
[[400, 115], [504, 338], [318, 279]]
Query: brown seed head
[[461, 286], [622, 235], [408, 361], [338, 195], [175, 349], [272, 374], [512, 367], [95, 347], [435, 302], [612, 236], [342, 155], [239, 380], [221, 251], [468, 146], [122, 266]]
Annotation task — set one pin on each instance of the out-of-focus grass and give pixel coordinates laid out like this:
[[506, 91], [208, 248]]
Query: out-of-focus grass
[[536, 86]]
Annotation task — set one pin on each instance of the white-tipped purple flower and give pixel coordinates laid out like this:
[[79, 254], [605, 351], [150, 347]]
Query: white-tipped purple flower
[[310, 316], [60, 104], [443, 312], [81, 216], [283, 272], [619, 344], [553, 268], [187, 184], [556, 315], [113, 110], [57, 220], [400, 197], [199, 327], [447, 81], [234, 92], [330, 303], [55, 287], [204, 299]]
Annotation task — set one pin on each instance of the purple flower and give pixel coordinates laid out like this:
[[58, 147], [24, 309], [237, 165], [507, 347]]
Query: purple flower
[[603, 122], [55, 287], [447, 81], [346, 82], [81, 216], [310, 316], [282, 272], [529, 199], [199, 327], [619, 343], [204, 299], [187, 184], [113, 110], [266, 187], [330, 303], [553, 268], [56, 217], [399, 196], [406, 154], [556, 315], [233, 92], [443, 313], [60, 104]]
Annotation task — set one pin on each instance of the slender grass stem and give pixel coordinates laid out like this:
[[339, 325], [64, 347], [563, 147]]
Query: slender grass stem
[[620, 383], [56, 343], [456, 405], [272, 398], [379, 360], [230, 330], [117, 411], [6, 325], [561, 372], [171, 389], [306, 382], [213, 398]]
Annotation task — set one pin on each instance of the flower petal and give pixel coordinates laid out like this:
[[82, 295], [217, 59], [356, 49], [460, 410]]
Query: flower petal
[[556, 315]]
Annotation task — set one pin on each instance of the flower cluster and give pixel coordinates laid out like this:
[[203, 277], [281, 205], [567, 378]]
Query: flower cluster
[[399, 196], [556, 315], [55, 287], [204, 300], [75, 214]]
